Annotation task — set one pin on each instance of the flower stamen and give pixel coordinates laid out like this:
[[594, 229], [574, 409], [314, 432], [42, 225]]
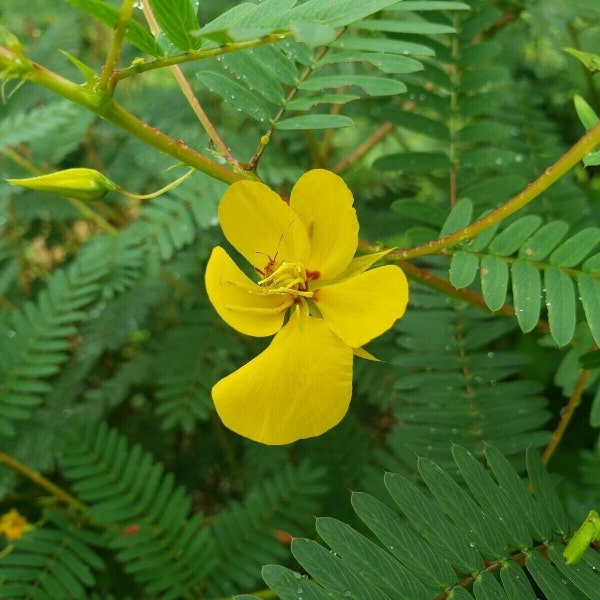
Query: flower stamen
[[288, 275]]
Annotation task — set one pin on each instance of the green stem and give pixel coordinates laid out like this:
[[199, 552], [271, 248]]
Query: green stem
[[253, 163], [107, 107], [138, 67], [34, 476], [453, 124], [552, 174], [187, 91], [116, 45]]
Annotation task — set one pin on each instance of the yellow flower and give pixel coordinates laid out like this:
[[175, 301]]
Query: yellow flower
[[302, 252], [12, 524]]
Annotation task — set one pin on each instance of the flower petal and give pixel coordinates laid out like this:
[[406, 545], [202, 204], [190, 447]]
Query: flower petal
[[239, 301], [364, 306], [261, 226], [324, 203], [299, 387]]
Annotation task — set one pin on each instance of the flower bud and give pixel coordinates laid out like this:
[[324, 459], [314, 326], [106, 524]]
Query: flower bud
[[82, 184]]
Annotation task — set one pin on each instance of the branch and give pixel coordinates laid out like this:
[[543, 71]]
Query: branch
[[34, 476], [552, 174], [106, 106]]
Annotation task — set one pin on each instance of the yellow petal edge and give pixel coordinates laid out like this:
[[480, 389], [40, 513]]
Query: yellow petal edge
[[239, 301], [299, 387]]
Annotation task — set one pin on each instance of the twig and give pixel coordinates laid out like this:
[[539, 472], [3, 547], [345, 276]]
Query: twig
[[186, 88], [140, 66], [57, 492], [109, 109], [116, 45], [552, 174], [363, 148], [566, 416], [264, 140]]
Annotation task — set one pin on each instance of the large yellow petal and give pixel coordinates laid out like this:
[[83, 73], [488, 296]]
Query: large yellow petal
[[261, 226], [299, 387], [364, 306], [239, 301], [324, 204]]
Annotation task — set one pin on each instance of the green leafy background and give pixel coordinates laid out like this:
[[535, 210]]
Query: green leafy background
[[435, 113]]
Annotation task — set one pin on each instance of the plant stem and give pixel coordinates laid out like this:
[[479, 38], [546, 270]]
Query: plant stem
[[57, 492], [566, 416], [106, 106], [160, 62], [552, 174], [103, 83], [186, 88], [253, 163], [453, 124], [364, 147]]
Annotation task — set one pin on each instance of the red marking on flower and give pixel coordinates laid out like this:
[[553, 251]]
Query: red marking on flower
[[312, 275], [130, 530]]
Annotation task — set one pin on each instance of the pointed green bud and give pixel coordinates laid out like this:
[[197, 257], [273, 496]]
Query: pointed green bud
[[82, 184], [582, 538]]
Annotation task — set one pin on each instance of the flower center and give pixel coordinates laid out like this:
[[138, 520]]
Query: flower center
[[287, 278]]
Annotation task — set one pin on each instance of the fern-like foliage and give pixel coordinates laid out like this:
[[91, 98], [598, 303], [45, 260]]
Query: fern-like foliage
[[38, 339], [183, 388], [55, 560], [42, 122], [523, 251], [148, 528], [449, 385], [257, 531], [145, 513], [490, 539], [484, 129], [291, 85]]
